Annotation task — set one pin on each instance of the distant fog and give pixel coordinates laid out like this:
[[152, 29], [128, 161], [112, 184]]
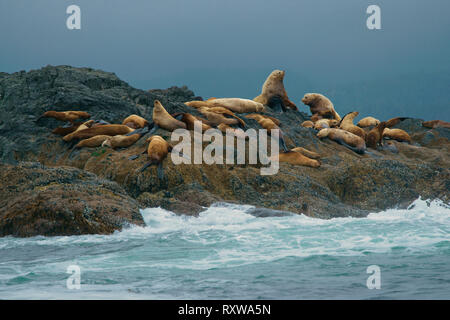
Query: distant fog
[[227, 48]]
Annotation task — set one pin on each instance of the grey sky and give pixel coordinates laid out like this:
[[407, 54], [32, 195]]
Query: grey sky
[[227, 48]]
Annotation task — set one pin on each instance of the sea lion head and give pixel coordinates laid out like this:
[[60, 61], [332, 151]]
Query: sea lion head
[[309, 98], [323, 133], [277, 75]]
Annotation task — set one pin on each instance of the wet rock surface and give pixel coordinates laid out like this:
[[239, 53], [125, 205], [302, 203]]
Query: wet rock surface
[[346, 184], [37, 200]]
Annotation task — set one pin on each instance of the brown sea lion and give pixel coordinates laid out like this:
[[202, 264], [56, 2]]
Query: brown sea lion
[[274, 87], [375, 136], [190, 119], [121, 141], [134, 121], [368, 122], [163, 119], [436, 124], [218, 115], [92, 142], [62, 131], [396, 134], [306, 152], [392, 122], [157, 151], [238, 133], [238, 105], [325, 123], [348, 139], [68, 116], [321, 105], [296, 158], [107, 129], [347, 124], [83, 126], [307, 124], [258, 117]]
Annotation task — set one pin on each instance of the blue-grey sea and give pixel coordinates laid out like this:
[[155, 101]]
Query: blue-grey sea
[[226, 253]]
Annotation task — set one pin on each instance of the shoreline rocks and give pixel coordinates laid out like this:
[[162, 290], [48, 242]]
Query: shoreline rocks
[[346, 184]]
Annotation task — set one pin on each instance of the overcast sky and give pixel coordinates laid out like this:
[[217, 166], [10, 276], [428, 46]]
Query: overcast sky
[[228, 47]]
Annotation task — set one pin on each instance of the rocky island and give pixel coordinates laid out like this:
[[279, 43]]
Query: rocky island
[[50, 188]]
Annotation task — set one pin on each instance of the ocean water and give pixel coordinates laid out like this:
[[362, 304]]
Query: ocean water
[[226, 253]]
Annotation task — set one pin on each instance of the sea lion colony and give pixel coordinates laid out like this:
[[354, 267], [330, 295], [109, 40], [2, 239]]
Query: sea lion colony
[[221, 113]]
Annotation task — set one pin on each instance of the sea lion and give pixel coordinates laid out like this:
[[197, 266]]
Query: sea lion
[[92, 142], [321, 105], [368, 122], [163, 119], [62, 131], [237, 105], [134, 121], [83, 126], [258, 117], [190, 119], [121, 141], [306, 152], [396, 134], [108, 129], [238, 133], [269, 125], [218, 115], [348, 139], [157, 151], [325, 123], [392, 122], [67, 116], [296, 158], [375, 136], [347, 124], [436, 124], [307, 124], [274, 87]]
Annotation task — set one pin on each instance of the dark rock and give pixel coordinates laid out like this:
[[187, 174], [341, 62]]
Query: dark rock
[[37, 200]]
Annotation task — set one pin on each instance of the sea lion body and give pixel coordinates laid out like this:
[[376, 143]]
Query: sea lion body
[[258, 117], [320, 105], [67, 116], [190, 119], [134, 121], [63, 131], [238, 105], [436, 124], [307, 124], [157, 149], [83, 126], [298, 159], [346, 138], [306, 152], [164, 120], [368, 122], [121, 141], [325, 123], [375, 136], [347, 125], [92, 142], [396, 134], [107, 129], [274, 87]]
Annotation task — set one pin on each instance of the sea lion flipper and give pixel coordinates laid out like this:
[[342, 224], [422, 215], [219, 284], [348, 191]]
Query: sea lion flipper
[[277, 104], [283, 144], [145, 166], [160, 171]]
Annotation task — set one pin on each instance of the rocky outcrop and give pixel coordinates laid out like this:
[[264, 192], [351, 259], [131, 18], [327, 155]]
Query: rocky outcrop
[[346, 184], [37, 200]]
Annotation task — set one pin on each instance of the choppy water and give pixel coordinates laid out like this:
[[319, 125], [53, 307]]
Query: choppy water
[[227, 253]]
